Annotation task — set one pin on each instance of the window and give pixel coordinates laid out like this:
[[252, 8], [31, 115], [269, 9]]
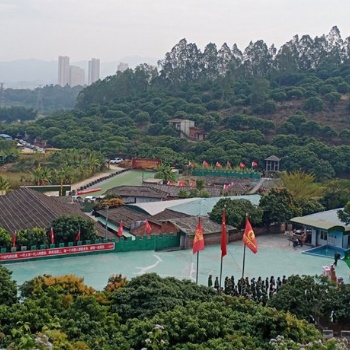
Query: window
[[323, 235]]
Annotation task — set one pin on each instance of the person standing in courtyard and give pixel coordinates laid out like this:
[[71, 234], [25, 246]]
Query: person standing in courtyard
[[336, 258], [210, 281], [217, 284]]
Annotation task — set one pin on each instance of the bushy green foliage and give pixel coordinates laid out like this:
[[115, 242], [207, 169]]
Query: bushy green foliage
[[67, 226], [236, 212]]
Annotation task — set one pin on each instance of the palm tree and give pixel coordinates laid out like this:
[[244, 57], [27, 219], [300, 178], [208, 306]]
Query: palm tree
[[37, 173], [165, 173], [4, 185]]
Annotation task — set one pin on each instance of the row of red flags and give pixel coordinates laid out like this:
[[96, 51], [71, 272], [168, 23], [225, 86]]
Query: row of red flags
[[52, 237], [228, 164], [77, 235], [248, 237]]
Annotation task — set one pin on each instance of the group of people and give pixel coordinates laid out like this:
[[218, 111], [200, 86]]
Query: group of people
[[259, 289]]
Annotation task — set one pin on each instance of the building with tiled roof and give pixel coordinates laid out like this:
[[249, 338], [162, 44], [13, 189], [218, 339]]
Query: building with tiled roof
[[186, 227], [26, 209], [136, 194], [174, 191]]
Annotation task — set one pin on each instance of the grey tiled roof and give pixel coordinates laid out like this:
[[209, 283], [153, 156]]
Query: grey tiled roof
[[137, 191], [188, 225], [26, 209], [125, 214]]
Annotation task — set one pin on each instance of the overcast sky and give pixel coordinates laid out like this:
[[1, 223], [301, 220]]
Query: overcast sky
[[112, 29]]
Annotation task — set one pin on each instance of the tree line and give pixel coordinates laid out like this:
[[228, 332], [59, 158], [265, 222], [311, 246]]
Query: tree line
[[151, 312]]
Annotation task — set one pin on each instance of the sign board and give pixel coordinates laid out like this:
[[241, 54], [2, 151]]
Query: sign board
[[145, 163], [31, 254]]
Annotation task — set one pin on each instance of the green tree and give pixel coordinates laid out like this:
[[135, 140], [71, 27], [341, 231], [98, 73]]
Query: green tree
[[278, 206], [344, 214], [4, 184], [8, 288], [67, 226], [165, 172], [301, 185], [236, 211]]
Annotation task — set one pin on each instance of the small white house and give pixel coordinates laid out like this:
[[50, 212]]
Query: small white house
[[326, 228]]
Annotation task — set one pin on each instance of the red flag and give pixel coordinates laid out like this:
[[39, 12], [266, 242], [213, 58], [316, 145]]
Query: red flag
[[218, 165], [148, 227], [228, 164], [254, 164], [52, 236], [242, 165], [198, 241], [249, 237], [205, 163], [225, 187], [223, 234], [77, 235], [120, 229], [14, 237]]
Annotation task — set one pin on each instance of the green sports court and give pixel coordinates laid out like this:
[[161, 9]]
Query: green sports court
[[276, 256]]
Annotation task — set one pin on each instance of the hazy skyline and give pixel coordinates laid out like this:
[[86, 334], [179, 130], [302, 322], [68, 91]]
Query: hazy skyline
[[112, 29]]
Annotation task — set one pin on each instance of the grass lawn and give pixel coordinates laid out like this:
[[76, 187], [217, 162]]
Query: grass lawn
[[129, 178]]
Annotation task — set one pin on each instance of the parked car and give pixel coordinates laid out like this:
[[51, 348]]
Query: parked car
[[116, 160]]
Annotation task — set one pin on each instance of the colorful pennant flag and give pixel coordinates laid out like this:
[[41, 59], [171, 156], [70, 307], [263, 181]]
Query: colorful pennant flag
[[249, 237], [205, 163], [242, 165], [223, 234], [14, 238], [190, 164], [198, 241], [218, 165], [52, 236], [148, 227], [120, 229], [254, 164], [77, 235]]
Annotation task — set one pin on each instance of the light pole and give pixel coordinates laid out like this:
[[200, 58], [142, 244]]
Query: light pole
[[107, 207]]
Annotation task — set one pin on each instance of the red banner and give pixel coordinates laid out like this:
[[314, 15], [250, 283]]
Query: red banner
[[145, 163], [31, 254]]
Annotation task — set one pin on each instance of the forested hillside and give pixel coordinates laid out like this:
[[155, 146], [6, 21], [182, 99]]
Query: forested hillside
[[292, 102]]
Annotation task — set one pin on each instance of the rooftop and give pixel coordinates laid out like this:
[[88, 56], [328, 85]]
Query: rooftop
[[190, 206], [323, 220]]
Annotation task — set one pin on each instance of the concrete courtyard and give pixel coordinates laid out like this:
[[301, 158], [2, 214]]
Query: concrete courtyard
[[276, 256]]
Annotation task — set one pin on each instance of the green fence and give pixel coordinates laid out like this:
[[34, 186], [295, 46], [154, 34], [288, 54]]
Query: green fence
[[153, 242], [226, 173]]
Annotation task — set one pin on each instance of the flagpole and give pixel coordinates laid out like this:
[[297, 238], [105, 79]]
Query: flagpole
[[197, 267], [224, 211], [243, 266], [221, 271], [199, 221]]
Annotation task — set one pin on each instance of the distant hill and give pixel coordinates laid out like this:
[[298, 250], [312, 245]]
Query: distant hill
[[30, 73]]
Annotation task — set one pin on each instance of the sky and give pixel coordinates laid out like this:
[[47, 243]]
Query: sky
[[112, 29]]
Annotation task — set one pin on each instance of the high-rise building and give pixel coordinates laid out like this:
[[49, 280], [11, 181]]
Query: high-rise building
[[76, 76], [94, 70], [63, 70], [122, 67]]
